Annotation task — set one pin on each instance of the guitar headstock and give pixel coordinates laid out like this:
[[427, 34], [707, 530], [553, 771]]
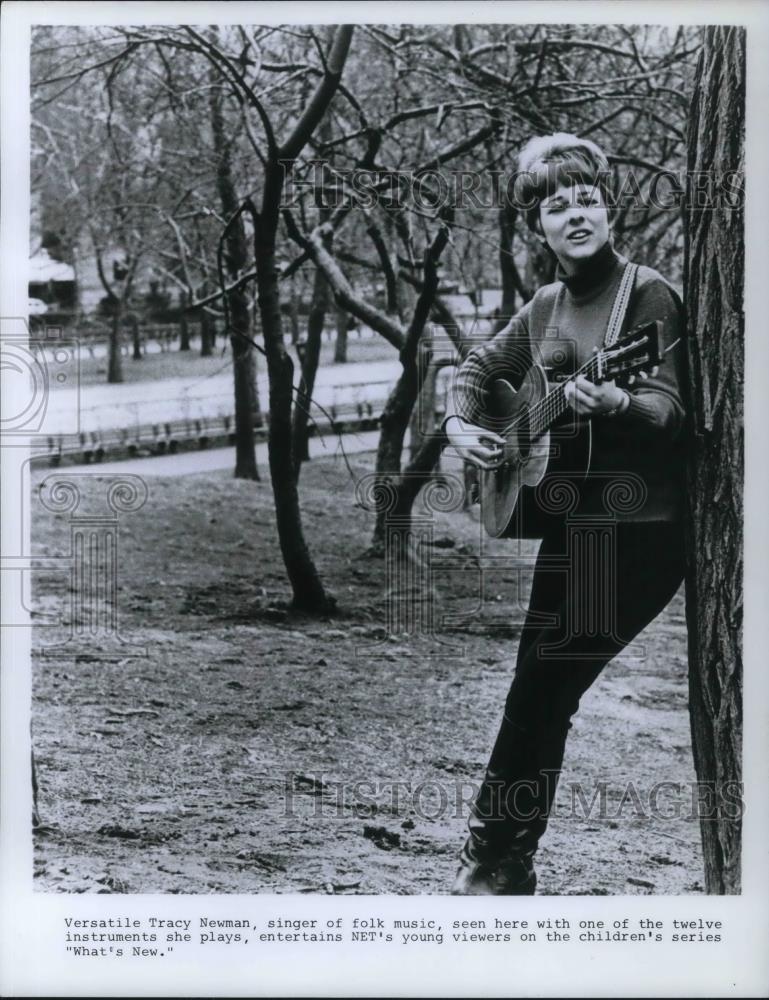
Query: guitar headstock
[[638, 350]]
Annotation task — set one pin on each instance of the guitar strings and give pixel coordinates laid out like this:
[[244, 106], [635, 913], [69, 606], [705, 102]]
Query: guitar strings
[[550, 407], [547, 405]]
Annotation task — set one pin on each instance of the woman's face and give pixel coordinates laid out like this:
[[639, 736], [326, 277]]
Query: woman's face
[[575, 223]]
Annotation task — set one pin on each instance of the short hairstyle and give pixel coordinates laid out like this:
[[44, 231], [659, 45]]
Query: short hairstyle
[[548, 161]]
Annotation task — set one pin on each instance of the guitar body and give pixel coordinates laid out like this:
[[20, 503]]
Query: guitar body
[[546, 455], [514, 496]]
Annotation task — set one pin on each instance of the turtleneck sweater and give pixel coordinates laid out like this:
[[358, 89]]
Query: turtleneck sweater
[[558, 329], [590, 273]]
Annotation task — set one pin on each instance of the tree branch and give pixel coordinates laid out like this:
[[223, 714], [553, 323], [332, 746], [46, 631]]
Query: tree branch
[[242, 280], [215, 56], [442, 314], [427, 293], [320, 100], [102, 276], [561, 45], [463, 146], [384, 259], [636, 161], [385, 325], [87, 69]]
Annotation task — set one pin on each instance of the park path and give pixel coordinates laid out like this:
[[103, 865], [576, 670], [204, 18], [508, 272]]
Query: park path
[[131, 404], [190, 462]]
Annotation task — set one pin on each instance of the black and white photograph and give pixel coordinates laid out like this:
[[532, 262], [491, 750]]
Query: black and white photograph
[[374, 445]]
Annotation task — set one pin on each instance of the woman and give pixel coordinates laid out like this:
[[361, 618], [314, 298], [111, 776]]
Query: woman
[[632, 497]]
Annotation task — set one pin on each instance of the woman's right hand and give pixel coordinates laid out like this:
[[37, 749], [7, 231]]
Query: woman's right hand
[[474, 444]]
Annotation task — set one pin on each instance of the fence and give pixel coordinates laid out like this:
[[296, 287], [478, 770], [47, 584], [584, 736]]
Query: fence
[[347, 411], [162, 338]]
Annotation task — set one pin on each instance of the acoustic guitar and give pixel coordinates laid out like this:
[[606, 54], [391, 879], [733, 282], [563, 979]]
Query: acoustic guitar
[[540, 447]]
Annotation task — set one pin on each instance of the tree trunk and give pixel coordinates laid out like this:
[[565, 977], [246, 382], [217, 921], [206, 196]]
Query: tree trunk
[[309, 356], [236, 257], [342, 329], [422, 423], [306, 584], [244, 376], [393, 425], [115, 363], [506, 266], [415, 428], [308, 592], [293, 315], [714, 273], [136, 336], [184, 327], [207, 332]]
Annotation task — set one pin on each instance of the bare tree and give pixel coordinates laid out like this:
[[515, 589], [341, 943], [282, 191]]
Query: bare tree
[[714, 299], [277, 162], [234, 248], [309, 349], [400, 404]]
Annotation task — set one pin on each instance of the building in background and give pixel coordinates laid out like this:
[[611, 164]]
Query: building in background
[[53, 283]]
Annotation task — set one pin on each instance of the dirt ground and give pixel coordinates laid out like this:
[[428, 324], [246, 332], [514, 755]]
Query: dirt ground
[[252, 750]]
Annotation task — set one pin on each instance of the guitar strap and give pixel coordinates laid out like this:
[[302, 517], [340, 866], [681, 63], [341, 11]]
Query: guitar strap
[[621, 302]]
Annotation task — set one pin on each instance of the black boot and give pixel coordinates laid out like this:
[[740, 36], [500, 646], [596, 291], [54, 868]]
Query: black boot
[[498, 856], [509, 815], [481, 875]]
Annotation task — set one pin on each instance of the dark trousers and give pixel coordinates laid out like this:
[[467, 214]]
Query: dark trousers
[[596, 586]]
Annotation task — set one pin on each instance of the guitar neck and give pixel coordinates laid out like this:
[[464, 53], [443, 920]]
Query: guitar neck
[[544, 414]]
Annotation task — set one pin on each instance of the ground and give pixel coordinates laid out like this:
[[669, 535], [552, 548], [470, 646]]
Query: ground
[[252, 750]]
